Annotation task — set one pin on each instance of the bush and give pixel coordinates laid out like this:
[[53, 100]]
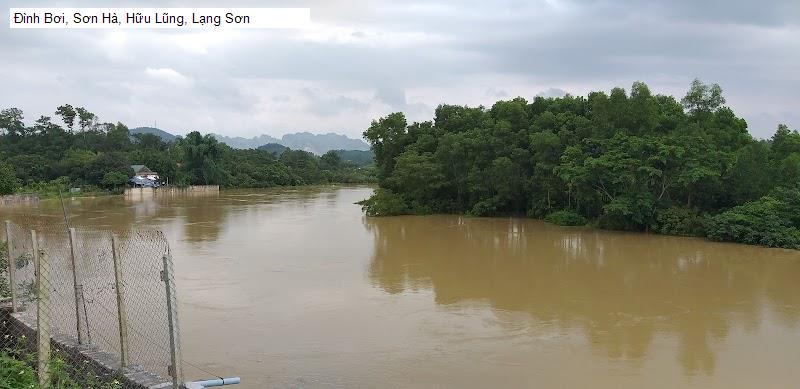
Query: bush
[[48, 189], [9, 183], [113, 180], [16, 370], [16, 373], [565, 218], [486, 207], [384, 203], [768, 221], [680, 221]]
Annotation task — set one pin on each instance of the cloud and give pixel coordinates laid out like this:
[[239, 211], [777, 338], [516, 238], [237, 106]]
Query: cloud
[[322, 104], [168, 75], [496, 93], [362, 59], [552, 92]]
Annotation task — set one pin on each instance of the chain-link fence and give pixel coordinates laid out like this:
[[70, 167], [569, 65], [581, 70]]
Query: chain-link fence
[[87, 309]]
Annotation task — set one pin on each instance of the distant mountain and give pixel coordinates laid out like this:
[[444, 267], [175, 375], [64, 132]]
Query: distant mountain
[[165, 136], [315, 143], [238, 142], [273, 148], [321, 143]]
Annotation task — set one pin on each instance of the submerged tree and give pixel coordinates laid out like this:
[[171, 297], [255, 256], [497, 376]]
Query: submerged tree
[[627, 160]]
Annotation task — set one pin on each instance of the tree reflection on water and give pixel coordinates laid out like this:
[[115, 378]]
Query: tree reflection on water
[[620, 289]]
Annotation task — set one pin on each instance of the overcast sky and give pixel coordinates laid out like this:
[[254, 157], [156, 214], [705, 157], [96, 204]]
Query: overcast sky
[[363, 59]]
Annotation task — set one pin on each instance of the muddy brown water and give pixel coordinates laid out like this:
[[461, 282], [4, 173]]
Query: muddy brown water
[[294, 288]]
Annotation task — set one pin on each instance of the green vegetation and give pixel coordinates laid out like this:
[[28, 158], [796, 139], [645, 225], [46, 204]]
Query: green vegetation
[[273, 148], [357, 157], [16, 365], [9, 183], [81, 152], [683, 221], [565, 218], [772, 220], [627, 160], [17, 372]]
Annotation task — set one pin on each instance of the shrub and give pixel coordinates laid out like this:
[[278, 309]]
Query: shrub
[[768, 221], [16, 370], [565, 218], [680, 221], [113, 180], [486, 207], [9, 183], [16, 373], [384, 202]]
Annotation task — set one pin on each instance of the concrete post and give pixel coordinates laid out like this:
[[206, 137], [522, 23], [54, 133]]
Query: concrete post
[[11, 268], [77, 285], [121, 313], [175, 369], [42, 266]]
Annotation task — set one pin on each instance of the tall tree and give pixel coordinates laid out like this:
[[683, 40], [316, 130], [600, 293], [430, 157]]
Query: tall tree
[[67, 115], [702, 99]]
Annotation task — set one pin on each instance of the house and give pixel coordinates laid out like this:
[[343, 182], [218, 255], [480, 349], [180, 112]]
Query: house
[[144, 177], [142, 172]]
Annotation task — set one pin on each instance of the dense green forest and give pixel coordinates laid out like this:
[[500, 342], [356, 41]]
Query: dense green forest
[[82, 152], [627, 160]]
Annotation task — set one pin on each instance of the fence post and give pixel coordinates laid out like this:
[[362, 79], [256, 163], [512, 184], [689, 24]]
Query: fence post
[[42, 268], [121, 314], [11, 268], [77, 285], [175, 369]]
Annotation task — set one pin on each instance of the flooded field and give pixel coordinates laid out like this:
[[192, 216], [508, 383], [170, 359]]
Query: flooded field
[[294, 288]]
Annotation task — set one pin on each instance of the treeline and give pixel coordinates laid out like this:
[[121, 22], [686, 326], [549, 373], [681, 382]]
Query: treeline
[[624, 160], [82, 152]]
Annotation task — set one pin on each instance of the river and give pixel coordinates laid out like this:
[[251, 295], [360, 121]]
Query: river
[[295, 287]]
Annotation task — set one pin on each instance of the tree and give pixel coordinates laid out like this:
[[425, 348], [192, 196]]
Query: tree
[[751, 175], [45, 157], [331, 160], [67, 115], [634, 161], [785, 142], [419, 177], [703, 98], [149, 141], [118, 138], [303, 165], [8, 181], [112, 180], [11, 121], [388, 137], [86, 119], [202, 154]]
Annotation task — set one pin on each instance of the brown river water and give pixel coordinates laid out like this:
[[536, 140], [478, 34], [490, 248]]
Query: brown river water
[[296, 288]]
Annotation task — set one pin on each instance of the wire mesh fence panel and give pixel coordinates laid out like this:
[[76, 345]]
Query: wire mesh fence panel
[[56, 279], [140, 255], [96, 279], [98, 298], [18, 356], [22, 266]]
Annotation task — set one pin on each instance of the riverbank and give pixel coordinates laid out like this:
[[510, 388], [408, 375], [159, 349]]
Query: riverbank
[[192, 190], [770, 221]]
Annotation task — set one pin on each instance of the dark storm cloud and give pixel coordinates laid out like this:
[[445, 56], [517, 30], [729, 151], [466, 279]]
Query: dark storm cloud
[[366, 58]]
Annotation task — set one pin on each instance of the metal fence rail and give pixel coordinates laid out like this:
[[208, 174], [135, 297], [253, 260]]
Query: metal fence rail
[[88, 309]]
